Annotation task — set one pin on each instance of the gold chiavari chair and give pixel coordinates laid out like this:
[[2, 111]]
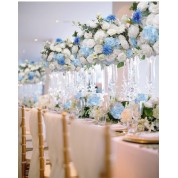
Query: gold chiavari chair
[[69, 170], [26, 155]]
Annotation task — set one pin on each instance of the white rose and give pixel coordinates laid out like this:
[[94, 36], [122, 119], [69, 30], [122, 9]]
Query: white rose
[[52, 47], [113, 26], [80, 33], [66, 52], [111, 57], [156, 47], [51, 66], [154, 100], [71, 57], [121, 29], [123, 42], [105, 25], [70, 45], [67, 61], [83, 60], [121, 57], [92, 24], [156, 21], [37, 74], [99, 35], [90, 59], [154, 8], [148, 104], [111, 32], [101, 57], [133, 31], [27, 71], [74, 49], [149, 19], [62, 45], [90, 43], [146, 50], [124, 18], [98, 49], [88, 35], [142, 6], [57, 48], [50, 57]]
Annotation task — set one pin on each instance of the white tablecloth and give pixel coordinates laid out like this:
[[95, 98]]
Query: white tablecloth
[[132, 160]]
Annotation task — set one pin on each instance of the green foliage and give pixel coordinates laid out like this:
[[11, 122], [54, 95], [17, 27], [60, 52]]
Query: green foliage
[[75, 34], [143, 57], [147, 112], [86, 112], [134, 6], [146, 13], [121, 64]]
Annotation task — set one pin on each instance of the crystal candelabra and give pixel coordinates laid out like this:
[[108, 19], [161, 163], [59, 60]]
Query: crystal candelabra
[[130, 79], [150, 75]]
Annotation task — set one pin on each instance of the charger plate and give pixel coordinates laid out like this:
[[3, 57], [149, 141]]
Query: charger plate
[[144, 137]]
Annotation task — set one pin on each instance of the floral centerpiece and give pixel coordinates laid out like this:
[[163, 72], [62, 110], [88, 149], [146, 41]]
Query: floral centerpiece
[[150, 115], [103, 41], [28, 101], [143, 30], [61, 55], [31, 72]]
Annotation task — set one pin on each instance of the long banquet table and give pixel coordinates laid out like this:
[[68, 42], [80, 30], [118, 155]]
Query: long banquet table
[[132, 160]]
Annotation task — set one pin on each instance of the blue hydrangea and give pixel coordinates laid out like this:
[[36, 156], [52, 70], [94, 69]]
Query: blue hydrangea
[[93, 100], [116, 110], [141, 97], [20, 77], [129, 53], [76, 62], [78, 95], [117, 44], [150, 34], [137, 16], [60, 58], [46, 63], [31, 75], [110, 18], [77, 40], [107, 50], [68, 105], [59, 40], [110, 41], [35, 99], [32, 62], [133, 42], [86, 51]]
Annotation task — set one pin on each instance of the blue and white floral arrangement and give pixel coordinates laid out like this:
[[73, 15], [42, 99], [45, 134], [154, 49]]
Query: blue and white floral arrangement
[[143, 31], [31, 72], [61, 55], [103, 41]]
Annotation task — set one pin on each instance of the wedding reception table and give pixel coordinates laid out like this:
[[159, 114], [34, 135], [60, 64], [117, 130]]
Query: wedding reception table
[[132, 160]]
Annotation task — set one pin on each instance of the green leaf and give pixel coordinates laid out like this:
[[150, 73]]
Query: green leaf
[[138, 48], [146, 13], [121, 64], [143, 57], [75, 34], [148, 112], [134, 6]]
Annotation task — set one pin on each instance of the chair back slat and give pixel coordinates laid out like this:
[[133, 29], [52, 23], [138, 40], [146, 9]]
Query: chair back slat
[[65, 146], [41, 143], [23, 143]]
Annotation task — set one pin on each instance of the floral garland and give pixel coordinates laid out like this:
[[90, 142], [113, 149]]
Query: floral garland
[[31, 72], [61, 55], [143, 31], [103, 41]]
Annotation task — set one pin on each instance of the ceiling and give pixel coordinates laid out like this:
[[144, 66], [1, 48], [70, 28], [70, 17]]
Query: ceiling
[[37, 20]]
